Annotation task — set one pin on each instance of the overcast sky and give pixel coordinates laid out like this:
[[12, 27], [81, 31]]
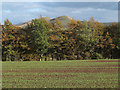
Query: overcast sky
[[18, 12]]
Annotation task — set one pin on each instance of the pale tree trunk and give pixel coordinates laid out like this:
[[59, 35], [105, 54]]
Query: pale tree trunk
[[52, 57], [9, 57], [73, 54], [41, 57]]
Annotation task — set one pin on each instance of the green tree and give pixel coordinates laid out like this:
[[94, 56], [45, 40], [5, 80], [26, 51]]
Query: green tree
[[40, 37], [90, 33]]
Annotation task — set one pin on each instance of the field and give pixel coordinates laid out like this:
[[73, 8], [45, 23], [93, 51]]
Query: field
[[60, 74]]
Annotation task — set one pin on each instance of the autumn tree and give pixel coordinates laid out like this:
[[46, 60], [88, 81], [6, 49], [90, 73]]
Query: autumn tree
[[106, 46], [72, 24], [113, 32], [12, 37]]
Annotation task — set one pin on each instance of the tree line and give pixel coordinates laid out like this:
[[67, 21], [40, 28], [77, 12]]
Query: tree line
[[42, 40]]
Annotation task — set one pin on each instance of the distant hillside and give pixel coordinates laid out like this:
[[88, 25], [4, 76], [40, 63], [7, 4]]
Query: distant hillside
[[23, 25], [47, 18], [108, 23], [65, 20]]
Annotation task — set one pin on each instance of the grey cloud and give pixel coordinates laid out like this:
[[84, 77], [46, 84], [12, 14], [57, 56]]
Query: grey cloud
[[22, 12]]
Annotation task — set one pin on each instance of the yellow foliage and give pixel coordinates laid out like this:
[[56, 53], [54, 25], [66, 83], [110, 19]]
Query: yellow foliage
[[107, 33]]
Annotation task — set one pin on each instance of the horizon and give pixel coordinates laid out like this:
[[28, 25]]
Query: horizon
[[60, 16], [56, 17], [19, 12]]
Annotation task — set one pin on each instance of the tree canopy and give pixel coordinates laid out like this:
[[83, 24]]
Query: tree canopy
[[42, 40]]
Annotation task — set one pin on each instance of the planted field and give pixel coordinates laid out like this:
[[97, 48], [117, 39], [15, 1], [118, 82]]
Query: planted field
[[60, 74]]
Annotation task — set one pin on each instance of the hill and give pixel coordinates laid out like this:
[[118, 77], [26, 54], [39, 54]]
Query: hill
[[23, 25], [65, 20], [108, 24]]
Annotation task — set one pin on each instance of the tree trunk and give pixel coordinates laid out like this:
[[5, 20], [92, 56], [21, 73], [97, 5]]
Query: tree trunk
[[73, 56], [40, 57], [45, 58], [77, 56], [60, 58], [52, 57], [9, 57]]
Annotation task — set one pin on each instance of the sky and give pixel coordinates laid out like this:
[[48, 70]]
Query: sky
[[60, 0], [19, 12]]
